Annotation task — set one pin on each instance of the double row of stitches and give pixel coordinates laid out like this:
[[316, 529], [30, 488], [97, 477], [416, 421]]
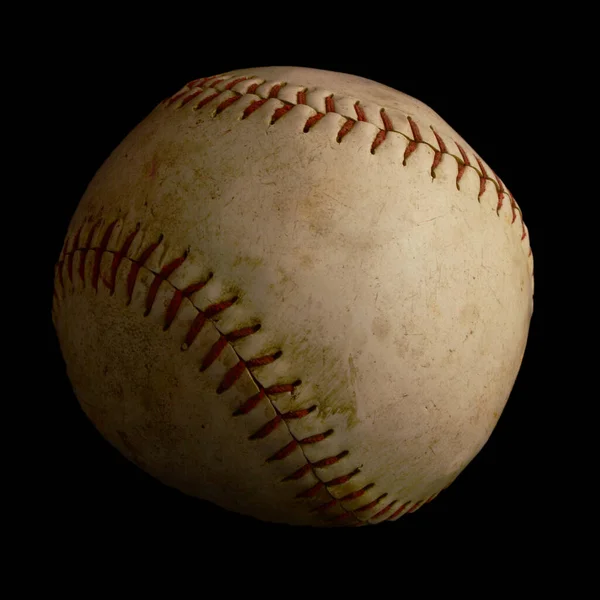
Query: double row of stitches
[[198, 86], [67, 262]]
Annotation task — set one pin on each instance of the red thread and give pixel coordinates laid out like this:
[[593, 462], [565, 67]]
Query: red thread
[[190, 97], [202, 81], [275, 90], [194, 329], [311, 121], [346, 127], [252, 88], [214, 352], [513, 207], [237, 334], [206, 100], [415, 130], [231, 377], [299, 473], [176, 97], [262, 360], [383, 511], [371, 504], [331, 460], [360, 113], [415, 506], [85, 250], [397, 512], [284, 452], [311, 492], [164, 274], [301, 97], [379, 138], [326, 506], [267, 428], [281, 388], [462, 166], [234, 82], [250, 404], [482, 177], [342, 479], [387, 122], [99, 252], [412, 146], [253, 107], [437, 157], [297, 414], [215, 309], [226, 103], [116, 258], [280, 112], [216, 82], [135, 267], [440, 142], [357, 493], [501, 193], [313, 439], [329, 104]]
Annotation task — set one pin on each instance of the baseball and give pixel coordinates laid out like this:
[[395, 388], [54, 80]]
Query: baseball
[[297, 294]]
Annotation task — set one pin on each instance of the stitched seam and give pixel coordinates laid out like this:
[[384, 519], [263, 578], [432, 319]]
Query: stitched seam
[[67, 260], [199, 86]]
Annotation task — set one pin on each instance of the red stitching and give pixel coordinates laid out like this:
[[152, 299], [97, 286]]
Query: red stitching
[[482, 177], [117, 258], [342, 479], [234, 82], [380, 136], [357, 493], [226, 103], [371, 504], [298, 474], [346, 127], [331, 460], [237, 370], [84, 252], [190, 97], [164, 274], [135, 266], [437, 158], [284, 452], [311, 492], [214, 353], [311, 121], [383, 511], [360, 113], [275, 90], [462, 166], [397, 512], [280, 112], [177, 299], [206, 100], [267, 428], [253, 107]]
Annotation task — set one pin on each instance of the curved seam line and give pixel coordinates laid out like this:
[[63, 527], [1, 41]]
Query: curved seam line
[[254, 378]]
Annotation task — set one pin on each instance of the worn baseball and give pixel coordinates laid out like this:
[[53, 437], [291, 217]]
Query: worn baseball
[[297, 294]]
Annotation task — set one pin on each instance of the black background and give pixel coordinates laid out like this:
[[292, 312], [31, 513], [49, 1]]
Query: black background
[[101, 87]]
